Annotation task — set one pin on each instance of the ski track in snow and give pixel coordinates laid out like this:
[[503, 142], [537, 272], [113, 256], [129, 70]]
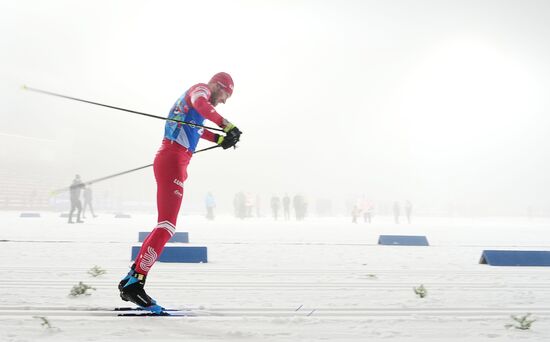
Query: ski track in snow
[[275, 281], [371, 313]]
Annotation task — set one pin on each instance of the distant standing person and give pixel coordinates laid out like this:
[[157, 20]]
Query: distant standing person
[[396, 211], [75, 189], [300, 207], [355, 212], [286, 207], [258, 204], [275, 206], [249, 204], [239, 203], [368, 208], [408, 210], [210, 205], [88, 202], [236, 205]]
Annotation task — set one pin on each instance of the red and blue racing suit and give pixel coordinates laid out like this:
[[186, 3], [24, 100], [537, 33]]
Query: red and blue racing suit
[[170, 166]]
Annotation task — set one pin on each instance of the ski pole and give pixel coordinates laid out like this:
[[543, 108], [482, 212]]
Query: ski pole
[[122, 173], [119, 108], [208, 148], [55, 192]]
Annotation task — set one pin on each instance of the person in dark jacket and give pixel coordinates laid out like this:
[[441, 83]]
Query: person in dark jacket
[[75, 190], [275, 206]]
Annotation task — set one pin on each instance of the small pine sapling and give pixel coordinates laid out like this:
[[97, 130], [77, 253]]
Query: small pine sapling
[[420, 291], [96, 271], [522, 322], [45, 322], [80, 289]]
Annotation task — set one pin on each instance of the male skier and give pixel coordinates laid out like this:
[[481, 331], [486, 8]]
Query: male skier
[[170, 168]]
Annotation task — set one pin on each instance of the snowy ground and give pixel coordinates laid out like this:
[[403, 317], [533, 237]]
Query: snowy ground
[[322, 279]]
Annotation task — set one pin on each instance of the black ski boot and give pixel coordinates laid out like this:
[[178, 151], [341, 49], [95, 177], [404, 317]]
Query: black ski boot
[[131, 290]]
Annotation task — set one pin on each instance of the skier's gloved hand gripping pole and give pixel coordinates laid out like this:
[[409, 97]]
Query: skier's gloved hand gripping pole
[[231, 138]]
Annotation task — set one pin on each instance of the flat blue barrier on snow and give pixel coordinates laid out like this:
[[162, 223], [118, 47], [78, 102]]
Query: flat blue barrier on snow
[[403, 240], [188, 254], [515, 258], [29, 215], [178, 237]]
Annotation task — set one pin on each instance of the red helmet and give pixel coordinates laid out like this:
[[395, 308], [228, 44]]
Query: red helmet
[[224, 80]]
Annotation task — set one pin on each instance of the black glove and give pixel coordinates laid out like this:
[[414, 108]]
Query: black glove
[[231, 138]]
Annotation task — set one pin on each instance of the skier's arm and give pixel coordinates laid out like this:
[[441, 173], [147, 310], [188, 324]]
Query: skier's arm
[[208, 135], [199, 98], [205, 108]]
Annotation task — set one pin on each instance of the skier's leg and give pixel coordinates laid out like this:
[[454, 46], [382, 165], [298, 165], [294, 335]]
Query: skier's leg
[[170, 180], [170, 173]]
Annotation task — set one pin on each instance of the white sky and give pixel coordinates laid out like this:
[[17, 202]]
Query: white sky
[[433, 101]]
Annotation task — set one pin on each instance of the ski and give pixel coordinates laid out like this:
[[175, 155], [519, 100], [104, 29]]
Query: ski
[[137, 311], [160, 314]]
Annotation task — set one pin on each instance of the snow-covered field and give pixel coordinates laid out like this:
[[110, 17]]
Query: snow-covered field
[[321, 279]]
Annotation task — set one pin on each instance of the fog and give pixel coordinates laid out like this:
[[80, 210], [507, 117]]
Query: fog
[[444, 103]]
